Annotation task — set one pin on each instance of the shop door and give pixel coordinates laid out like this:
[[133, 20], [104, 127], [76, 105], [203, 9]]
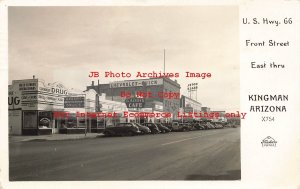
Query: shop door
[[56, 126]]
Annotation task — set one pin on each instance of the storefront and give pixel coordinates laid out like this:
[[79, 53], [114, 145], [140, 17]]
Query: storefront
[[35, 122], [154, 90], [34, 105], [107, 107], [190, 105]]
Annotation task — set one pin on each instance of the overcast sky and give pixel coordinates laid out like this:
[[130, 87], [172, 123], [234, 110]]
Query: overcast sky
[[65, 43]]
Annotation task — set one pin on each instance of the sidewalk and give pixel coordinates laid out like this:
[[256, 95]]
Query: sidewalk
[[53, 137]]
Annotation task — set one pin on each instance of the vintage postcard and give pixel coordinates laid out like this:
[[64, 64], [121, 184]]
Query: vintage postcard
[[159, 93]]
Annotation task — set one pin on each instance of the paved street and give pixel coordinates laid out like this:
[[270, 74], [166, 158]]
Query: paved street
[[196, 155]]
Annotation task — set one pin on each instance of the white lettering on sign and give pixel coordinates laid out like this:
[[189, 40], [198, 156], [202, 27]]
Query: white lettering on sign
[[136, 83], [135, 105]]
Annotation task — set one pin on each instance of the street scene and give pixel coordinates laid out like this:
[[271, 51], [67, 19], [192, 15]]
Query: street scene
[[124, 93], [212, 154]]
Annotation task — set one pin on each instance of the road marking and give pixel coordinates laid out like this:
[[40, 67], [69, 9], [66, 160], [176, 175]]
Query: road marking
[[185, 139]]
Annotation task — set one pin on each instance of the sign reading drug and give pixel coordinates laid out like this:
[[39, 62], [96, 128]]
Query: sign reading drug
[[135, 102]]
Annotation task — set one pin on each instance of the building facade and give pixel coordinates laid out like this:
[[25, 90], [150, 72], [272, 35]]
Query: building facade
[[160, 94], [37, 107], [205, 109], [221, 114], [190, 105]]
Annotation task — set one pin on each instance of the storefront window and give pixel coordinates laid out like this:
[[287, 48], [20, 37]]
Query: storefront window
[[109, 122], [45, 119], [94, 123], [100, 123], [81, 122], [71, 121]]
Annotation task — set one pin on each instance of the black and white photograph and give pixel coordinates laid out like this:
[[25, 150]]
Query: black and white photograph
[[149, 94], [124, 93]]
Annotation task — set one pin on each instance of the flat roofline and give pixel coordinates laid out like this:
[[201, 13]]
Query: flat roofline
[[163, 78], [20, 80], [191, 99]]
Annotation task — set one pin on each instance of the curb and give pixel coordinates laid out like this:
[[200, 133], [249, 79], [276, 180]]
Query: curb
[[55, 139]]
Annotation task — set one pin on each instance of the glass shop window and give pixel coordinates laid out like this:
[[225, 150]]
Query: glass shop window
[[45, 119]]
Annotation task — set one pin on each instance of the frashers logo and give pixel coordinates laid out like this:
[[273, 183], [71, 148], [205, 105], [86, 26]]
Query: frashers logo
[[268, 141]]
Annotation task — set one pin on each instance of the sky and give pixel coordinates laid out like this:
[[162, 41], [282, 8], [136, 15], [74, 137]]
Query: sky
[[65, 44]]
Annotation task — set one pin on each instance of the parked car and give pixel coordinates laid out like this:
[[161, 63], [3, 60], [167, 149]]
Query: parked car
[[204, 125], [154, 129], [181, 126], [229, 125], [169, 125], [143, 129], [162, 128], [198, 126], [217, 125], [210, 126], [190, 126], [122, 129], [175, 126]]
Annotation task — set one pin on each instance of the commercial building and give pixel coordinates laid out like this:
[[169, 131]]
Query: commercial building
[[160, 94], [189, 104], [205, 109], [37, 107], [221, 117], [108, 106], [220, 112]]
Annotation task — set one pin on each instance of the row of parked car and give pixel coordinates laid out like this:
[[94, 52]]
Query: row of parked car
[[123, 129]]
